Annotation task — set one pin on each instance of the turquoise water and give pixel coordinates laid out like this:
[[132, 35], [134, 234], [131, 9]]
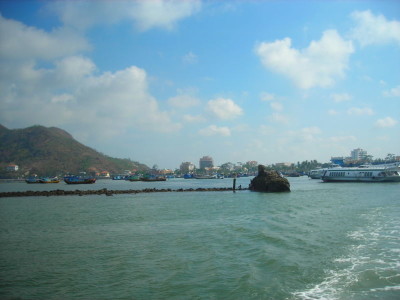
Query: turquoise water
[[321, 241]]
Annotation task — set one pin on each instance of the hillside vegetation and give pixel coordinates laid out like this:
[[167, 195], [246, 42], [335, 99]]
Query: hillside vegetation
[[53, 151]]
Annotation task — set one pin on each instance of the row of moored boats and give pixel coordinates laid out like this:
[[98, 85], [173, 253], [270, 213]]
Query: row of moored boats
[[70, 179]]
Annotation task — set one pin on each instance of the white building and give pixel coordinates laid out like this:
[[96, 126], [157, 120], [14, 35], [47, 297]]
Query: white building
[[358, 154], [187, 167], [12, 167]]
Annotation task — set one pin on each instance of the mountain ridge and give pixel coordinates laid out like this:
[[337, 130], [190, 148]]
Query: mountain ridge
[[48, 151]]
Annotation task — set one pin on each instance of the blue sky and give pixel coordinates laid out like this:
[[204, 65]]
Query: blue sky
[[163, 82]]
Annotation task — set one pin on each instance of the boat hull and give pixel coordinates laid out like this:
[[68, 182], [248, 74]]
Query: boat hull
[[74, 180], [30, 181], [390, 179], [153, 179], [361, 174]]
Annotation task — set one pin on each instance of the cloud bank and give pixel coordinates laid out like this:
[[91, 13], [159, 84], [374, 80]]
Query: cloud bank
[[374, 29], [318, 65], [146, 15]]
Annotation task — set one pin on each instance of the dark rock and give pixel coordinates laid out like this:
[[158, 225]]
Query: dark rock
[[269, 181]]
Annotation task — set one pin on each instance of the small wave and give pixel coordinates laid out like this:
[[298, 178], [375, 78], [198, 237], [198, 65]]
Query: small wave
[[370, 266], [387, 288]]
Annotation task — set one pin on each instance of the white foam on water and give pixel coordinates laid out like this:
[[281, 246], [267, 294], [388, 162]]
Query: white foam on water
[[374, 253], [387, 288]]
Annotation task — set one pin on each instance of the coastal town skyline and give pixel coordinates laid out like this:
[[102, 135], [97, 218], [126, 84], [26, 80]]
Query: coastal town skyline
[[164, 82]]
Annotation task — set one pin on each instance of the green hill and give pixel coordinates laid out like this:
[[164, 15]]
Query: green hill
[[53, 151]]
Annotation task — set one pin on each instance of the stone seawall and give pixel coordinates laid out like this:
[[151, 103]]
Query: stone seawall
[[106, 192]]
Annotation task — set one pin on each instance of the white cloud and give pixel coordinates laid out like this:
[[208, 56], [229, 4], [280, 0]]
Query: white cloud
[[267, 97], [183, 101], [164, 14], [21, 42], [193, 119], [309, 133], [190, 58], [319, 65], [306, 134], [276, 106], [360, 111], [386, 122], [341, 97], [394, 92], [266, 130], [72, 69], [63, 98], [215, 130], [279, 118], [224, 109], [70, 90], [115, 101], [145, 14], [341, 139], [374, 29], [333, 112]]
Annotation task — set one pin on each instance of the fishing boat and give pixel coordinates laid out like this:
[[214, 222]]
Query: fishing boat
[[32, 180], [133, 178], [205, 176], [79, 180], [49, 180], [152, 178], [366, 173]]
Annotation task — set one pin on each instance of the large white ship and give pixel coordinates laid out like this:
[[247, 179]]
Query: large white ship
[[369, 173]]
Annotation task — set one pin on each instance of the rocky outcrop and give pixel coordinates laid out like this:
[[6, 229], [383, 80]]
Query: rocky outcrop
[[269, 181]]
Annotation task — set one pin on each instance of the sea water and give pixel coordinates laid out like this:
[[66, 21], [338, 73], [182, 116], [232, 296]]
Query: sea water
[[320, 241]]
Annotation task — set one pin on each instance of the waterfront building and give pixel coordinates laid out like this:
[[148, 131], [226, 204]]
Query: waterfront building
[[358, 154], [284, 164], [187, 167], [166, 172], [338, 160], [105, 174], [12, 168], [206, 162]]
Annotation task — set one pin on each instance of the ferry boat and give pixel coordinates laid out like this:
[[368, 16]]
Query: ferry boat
[[362, 174], [316, 174]]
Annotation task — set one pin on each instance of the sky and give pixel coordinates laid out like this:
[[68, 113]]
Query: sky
[[165, 82]]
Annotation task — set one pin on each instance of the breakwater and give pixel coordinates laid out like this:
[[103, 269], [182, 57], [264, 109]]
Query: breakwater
[[108, 192]]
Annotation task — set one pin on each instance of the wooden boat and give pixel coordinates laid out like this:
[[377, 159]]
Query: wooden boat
[[32, 180], [49, 180], [205, 177], [153, 178], [79, 180], [134, 178]]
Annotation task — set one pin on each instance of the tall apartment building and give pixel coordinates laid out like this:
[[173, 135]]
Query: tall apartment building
[[187, 167], [206, 162], [358, 154]]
